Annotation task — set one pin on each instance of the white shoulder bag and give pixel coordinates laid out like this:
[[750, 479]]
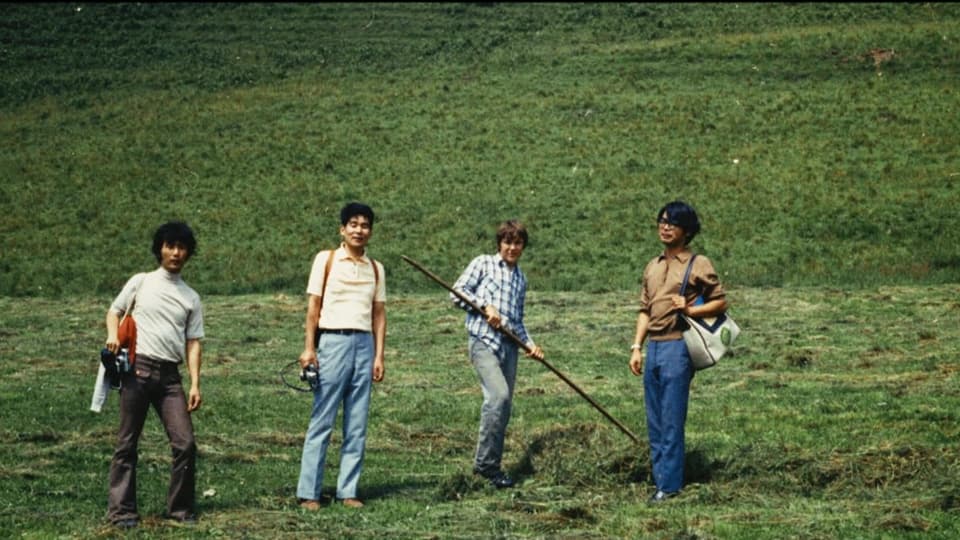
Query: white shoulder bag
[[707, 338]]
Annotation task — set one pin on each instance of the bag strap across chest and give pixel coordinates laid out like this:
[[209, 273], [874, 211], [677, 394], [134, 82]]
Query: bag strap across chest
[[686, 275]]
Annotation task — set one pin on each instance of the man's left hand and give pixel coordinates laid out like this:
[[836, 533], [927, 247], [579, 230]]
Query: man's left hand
[[194, 400], [378, 370], [493, 316]]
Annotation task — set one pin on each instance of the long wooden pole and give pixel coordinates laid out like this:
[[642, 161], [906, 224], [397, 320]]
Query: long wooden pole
[[510, 334]]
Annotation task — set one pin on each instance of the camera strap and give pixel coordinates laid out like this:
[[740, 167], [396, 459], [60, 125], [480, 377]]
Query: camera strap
[[283, 377]]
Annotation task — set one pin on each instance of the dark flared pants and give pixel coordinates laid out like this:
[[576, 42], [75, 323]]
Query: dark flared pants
[[155, 383]]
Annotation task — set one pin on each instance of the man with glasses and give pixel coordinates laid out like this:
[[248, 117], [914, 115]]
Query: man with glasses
[[666, 380]]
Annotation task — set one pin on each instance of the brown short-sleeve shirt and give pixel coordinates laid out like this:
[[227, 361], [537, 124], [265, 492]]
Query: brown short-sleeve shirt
[[662, 279]]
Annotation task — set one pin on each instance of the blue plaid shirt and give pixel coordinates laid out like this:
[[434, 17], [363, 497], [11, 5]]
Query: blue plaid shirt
[[489, 280]]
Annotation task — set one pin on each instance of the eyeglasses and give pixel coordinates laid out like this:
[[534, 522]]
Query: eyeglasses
[[663, 222]]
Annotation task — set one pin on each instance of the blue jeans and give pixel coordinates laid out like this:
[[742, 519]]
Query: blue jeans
[[345, 374], [666, 384], [497, 371]]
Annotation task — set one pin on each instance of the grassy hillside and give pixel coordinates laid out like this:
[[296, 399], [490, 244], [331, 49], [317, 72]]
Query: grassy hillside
[[809, 162], [826, 176]]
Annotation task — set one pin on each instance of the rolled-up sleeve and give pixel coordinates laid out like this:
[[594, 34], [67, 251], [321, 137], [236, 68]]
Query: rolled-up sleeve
[[706, 281]]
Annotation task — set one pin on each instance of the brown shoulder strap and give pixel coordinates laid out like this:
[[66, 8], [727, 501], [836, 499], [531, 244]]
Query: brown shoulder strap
[[326, 274], [323, 295], [376, 281]]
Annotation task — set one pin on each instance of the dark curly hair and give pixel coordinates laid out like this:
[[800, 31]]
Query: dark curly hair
[[171, 233]]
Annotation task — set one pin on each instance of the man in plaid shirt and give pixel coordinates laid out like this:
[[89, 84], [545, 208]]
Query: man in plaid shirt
[[498, 286]]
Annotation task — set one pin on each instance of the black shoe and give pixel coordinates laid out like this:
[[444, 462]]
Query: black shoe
[[189, 519], [129, 523], [499, 480], [661, 496]]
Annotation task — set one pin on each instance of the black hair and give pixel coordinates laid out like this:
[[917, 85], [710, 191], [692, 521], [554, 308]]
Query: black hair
[[356, 209], [682, 215], [171, 233], [512, 230]]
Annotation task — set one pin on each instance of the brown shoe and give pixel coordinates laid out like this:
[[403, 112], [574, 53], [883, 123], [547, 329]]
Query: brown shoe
[[310, 504], [353, 503]]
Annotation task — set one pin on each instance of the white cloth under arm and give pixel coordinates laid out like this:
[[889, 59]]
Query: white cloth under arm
[[101, 389]]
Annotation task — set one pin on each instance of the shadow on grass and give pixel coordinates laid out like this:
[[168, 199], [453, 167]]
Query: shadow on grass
[[382, 491], [574, 456], [285, 497], [699, 468], [582, 456]]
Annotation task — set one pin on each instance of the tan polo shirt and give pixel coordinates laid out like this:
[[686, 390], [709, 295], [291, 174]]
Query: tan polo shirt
[[662, 279], [352, 290]]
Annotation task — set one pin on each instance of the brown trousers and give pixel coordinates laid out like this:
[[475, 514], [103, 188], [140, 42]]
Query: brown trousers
[[156, 383]]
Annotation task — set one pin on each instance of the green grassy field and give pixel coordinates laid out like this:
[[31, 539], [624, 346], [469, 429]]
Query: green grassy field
[[826, 178], [835, 418]]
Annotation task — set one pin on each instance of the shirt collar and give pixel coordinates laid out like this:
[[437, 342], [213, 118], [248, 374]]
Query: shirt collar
[[683, 256], [342, 253], [167, 275], [497, 258]]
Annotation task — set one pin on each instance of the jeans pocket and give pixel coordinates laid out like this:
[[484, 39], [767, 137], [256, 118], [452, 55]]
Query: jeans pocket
[[141, 371]]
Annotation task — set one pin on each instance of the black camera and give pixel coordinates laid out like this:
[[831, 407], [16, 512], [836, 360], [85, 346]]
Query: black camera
[[115, 365], [311, 376]]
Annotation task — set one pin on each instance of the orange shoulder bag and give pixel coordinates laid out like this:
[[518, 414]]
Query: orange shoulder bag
[[127, 332]]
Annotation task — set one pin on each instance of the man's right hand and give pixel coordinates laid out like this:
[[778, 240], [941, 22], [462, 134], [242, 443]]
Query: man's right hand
[[636, 362], [307, 357], [493, 316], [113, 326]]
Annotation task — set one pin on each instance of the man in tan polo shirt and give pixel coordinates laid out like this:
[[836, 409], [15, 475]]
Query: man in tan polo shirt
[[668, 371], [346, 307]]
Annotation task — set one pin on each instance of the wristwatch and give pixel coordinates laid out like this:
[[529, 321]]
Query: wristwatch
[[635, 347]]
